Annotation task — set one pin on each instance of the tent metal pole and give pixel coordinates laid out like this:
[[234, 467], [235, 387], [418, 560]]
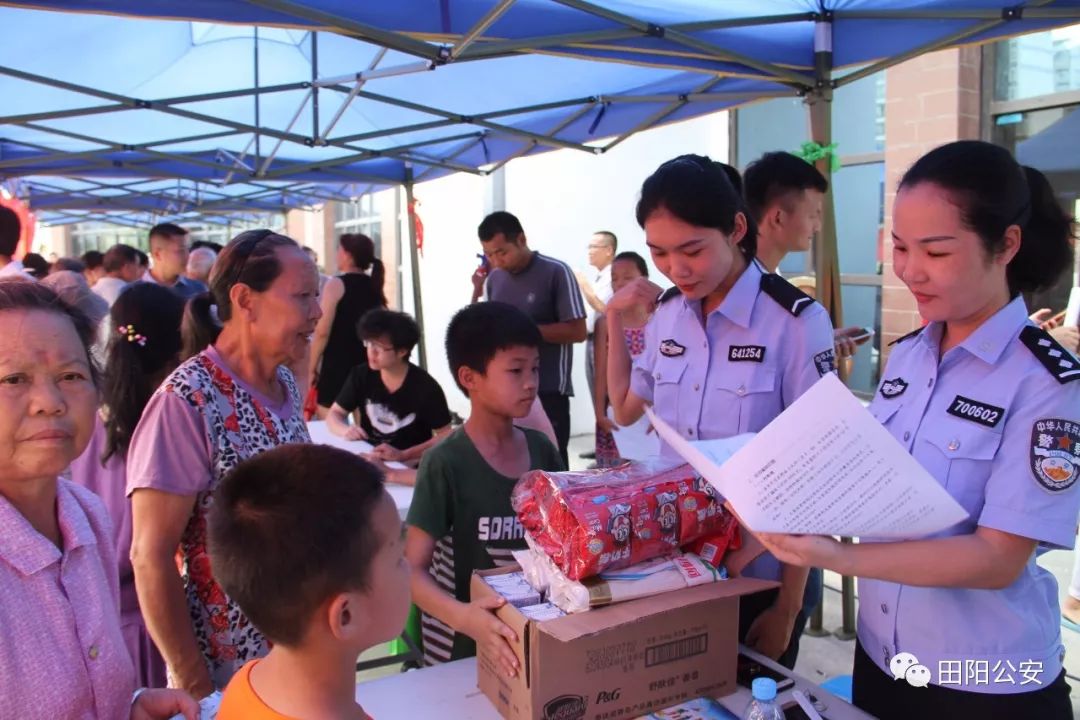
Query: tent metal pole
[[1028, 13], [414, 257], [698, 97], [660, 114], [943, 42], [562, 124], [781, 74], [314, 88], [826, 260], [346, 26], [480, 27], [288, 128], [352, 94], [510, 47], [365, 75], [475, 119], [258, 141]]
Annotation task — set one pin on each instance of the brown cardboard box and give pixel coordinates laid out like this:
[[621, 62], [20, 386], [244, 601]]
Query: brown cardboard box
[[619, 661]]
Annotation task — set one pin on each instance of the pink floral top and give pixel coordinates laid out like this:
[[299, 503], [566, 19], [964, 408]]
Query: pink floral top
[[200, 424], [62, 654]]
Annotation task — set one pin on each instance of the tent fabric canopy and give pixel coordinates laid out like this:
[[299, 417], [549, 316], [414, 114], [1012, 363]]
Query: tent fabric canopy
[[329, 99]]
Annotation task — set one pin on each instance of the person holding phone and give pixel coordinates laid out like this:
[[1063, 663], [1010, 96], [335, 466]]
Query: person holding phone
[[785, 195], [987, 402]]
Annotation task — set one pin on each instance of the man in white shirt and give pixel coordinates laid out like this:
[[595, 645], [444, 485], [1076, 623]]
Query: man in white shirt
[[121, 264], [10, 229], [597, 291]]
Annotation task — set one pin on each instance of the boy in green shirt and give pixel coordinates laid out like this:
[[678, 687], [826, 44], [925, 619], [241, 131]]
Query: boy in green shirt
[[461, 519]]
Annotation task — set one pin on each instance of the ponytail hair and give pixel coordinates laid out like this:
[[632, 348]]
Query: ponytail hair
[[362, 250], [144, 344], [699, 191], [200, 327], [993, 193]]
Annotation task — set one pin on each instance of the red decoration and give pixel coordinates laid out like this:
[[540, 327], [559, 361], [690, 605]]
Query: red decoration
[[419, 224]]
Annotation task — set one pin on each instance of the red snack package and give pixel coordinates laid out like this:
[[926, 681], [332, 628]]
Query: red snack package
[[592, 521]]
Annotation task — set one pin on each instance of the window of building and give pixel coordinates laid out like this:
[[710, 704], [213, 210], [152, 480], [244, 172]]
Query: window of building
[[361, 215], [102, 236], [1035, 113]]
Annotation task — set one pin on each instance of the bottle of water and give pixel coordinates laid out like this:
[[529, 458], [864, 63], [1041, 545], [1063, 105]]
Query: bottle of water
[[763, 706]]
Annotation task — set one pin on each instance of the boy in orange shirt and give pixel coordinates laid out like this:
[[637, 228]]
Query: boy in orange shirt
[[309, 544]]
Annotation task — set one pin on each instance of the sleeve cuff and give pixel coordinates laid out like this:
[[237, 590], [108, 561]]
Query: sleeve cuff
[[1049, 531]]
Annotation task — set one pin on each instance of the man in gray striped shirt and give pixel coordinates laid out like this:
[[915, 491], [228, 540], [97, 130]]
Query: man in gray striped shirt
[[544, 289]]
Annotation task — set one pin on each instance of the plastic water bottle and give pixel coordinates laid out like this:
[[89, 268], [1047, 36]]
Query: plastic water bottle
[[763, 706]]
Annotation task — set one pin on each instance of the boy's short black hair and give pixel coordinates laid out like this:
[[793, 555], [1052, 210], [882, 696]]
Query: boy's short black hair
[[776, 174], [497, 222], [10, 230], [92, 259], [480, 330], [289, 529], [399, 327]]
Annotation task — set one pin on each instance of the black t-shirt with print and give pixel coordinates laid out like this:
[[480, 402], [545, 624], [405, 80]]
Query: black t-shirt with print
[[401, 419]]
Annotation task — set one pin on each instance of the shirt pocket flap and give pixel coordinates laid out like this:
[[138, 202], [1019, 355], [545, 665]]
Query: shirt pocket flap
[[747, 379], [883, 411], [961, 439], [669, 370]]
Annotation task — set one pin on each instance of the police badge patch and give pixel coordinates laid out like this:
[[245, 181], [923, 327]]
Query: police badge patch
[[893, 388], [1055, 453], [670, 348], [825, 362]]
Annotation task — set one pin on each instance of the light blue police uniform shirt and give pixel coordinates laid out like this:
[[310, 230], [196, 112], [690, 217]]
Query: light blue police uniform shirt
[[997, 422], [754, 355]]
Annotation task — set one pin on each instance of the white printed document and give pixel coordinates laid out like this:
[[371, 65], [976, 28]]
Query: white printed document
[[825, 466]]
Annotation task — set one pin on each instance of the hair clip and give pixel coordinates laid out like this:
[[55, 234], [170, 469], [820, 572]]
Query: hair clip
[[132, 336]]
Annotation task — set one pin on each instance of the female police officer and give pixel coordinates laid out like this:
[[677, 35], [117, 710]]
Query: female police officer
[[728, 348], [986, 402]]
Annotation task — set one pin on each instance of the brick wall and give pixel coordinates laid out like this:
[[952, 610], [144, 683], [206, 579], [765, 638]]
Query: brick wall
[[929, 101]]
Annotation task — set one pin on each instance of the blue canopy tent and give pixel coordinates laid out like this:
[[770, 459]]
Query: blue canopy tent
[[332, 98]]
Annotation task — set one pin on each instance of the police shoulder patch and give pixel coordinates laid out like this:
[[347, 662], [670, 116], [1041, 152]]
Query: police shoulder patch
[[1055, 453], [1059, 361], [787, 295], [902, 338], [667, 295], [825, 362]]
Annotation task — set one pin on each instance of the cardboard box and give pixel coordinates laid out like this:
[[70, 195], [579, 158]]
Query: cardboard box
[[619, 661]]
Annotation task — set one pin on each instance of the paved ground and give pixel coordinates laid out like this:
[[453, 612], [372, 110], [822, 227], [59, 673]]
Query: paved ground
[[822, 658]]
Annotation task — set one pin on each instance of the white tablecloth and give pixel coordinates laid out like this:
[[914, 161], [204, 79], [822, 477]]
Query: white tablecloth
[[402, 494], [449, 691]]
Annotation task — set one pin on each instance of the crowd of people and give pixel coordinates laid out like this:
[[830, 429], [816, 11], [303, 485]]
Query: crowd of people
[[157, 465]]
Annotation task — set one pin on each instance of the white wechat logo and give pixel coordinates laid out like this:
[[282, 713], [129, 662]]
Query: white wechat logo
[[906, 666]]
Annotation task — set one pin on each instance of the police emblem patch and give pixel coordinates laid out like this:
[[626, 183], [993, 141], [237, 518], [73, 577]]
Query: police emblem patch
[[893, 388], [1055, 453], [825, 362], [670, 348]]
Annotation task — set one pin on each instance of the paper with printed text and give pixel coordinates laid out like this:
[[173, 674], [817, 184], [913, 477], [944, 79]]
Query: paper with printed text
[[825, 466]]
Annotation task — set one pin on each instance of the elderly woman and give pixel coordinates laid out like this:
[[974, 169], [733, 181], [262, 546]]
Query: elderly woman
[[63, 654], [226, 404]]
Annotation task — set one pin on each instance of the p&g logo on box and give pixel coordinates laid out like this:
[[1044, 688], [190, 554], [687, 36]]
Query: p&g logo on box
[[607, 696], [565, 707]]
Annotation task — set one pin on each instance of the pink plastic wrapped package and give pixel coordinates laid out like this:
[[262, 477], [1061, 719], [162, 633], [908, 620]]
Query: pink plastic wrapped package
[[597, 520]]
